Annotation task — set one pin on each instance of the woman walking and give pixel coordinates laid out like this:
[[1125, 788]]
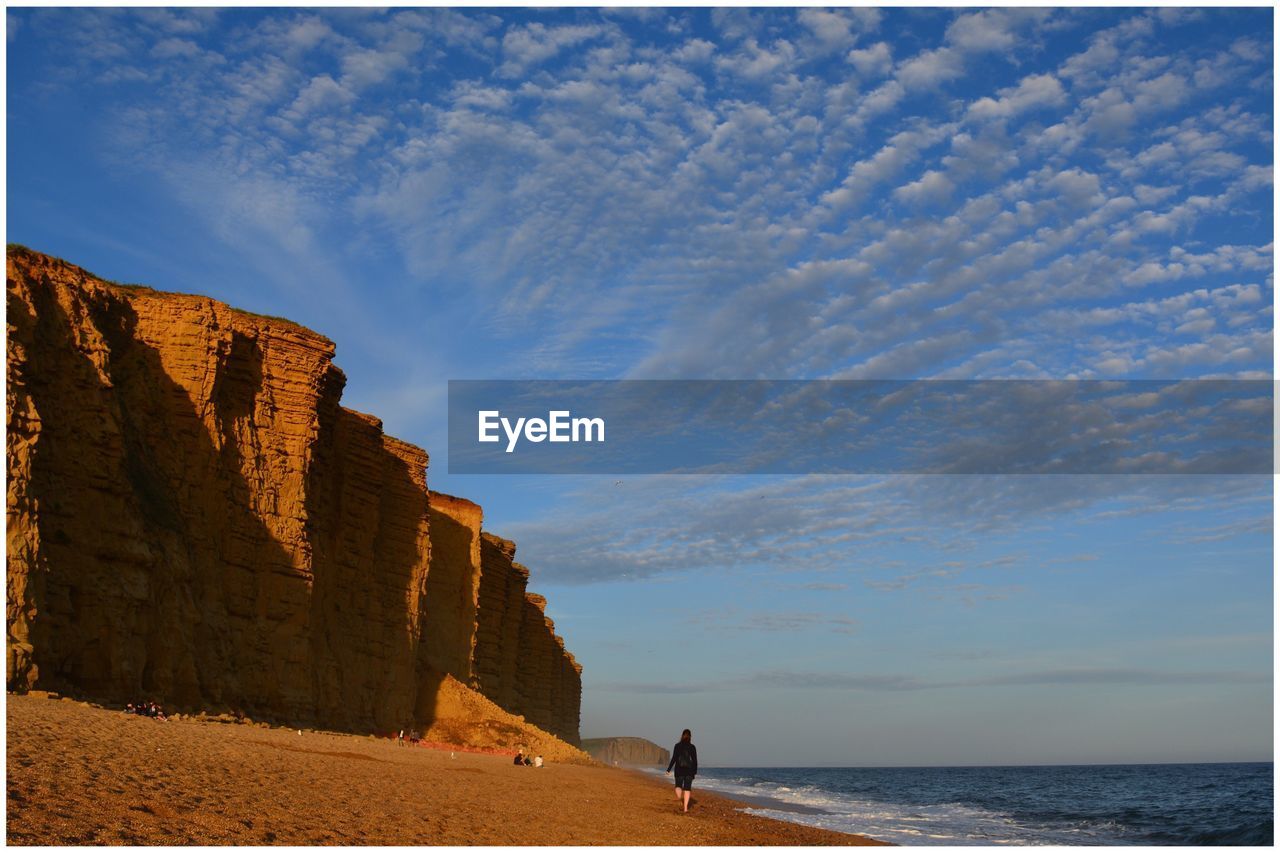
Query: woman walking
[[684, 758]]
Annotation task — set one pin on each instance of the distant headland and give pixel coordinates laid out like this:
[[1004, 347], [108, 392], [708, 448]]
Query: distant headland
[[634, 751]]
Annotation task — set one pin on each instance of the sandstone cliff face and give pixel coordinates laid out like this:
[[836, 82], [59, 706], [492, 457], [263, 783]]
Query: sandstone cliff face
[[549, 679], [193, 517], [368, 513], [453, 586], [501, 597], [520, 663], [626, 750]]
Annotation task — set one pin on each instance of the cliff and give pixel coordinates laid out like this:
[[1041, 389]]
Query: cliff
[[626, 750], [453, 585], [193, 517], [520, 662], [502, 587]]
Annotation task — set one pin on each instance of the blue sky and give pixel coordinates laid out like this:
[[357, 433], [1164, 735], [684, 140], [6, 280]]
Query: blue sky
[[731, 193]]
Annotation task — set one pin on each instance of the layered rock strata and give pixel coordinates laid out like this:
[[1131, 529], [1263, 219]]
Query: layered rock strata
[[453, 586], [550, 674], [193, 517], [520, 662], [502, 587]]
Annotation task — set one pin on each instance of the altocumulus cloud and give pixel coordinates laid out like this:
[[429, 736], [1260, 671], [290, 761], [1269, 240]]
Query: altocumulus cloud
[[850, 527], [737, 192]]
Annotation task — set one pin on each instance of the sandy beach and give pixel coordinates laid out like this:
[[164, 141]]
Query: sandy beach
[[80, 774]]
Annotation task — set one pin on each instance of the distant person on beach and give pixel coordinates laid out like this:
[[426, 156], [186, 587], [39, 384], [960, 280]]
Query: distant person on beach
[[519, 762], [146, 709], [537, 761], [684, 758], [400, 738]]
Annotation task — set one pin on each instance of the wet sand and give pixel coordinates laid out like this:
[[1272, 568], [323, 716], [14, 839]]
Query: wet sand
[[79, 774]]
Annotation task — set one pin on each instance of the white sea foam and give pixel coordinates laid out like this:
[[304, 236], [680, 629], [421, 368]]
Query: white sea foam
[[904, 824]]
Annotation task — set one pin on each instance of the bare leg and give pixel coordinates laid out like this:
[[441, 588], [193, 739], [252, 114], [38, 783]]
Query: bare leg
[[686, 800], [678, 793]]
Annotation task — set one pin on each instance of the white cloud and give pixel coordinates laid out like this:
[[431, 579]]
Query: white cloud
[[986, 31], [873, 60], [866, 175], [303, 34], [1160, 93], [930, 69], [831, 30], [320, 93], [364, 68], [532, 44], [473, 94], [1249, 49], [173, 48], [754, 62], [1152, 271], [1077, 187], [1033, 92], [694, 51], [1111, 114], [1087, 67], [177, 21], [672, 525], [932, 187]]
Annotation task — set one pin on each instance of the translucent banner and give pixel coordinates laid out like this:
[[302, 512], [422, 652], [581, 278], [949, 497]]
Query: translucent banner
[[861, 427]]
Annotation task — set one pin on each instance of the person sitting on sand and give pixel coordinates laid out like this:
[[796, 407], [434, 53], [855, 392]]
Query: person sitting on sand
[[684, 758], [519, 762], [537, 761], [146, 709], [528, 762]]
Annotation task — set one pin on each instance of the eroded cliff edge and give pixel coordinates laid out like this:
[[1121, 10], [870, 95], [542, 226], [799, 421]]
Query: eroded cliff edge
[[193, 516]]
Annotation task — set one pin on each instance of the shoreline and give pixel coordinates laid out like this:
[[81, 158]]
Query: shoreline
[[82, 774], [755, 801]]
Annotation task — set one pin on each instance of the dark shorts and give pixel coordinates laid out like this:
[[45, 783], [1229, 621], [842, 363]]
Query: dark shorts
[[685, 782]]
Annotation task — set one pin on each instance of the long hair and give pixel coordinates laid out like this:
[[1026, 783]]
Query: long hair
[[686, 736]]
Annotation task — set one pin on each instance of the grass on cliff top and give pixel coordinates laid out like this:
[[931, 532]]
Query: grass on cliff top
[[19, 248]]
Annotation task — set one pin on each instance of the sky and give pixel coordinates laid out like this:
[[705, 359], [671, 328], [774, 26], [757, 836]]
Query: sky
[[743, 194]]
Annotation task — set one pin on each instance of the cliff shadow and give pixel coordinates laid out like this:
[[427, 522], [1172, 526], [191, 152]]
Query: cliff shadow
[[367, 521], [449, 617], [427, 704], [157, 578]]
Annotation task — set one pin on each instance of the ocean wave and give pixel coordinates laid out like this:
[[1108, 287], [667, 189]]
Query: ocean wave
[[1155, 804]]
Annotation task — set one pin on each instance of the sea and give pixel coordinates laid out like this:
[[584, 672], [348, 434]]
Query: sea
[[1180, 804]]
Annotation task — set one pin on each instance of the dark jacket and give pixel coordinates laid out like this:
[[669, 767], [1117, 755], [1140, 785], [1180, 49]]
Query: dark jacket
[[684, 758]]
